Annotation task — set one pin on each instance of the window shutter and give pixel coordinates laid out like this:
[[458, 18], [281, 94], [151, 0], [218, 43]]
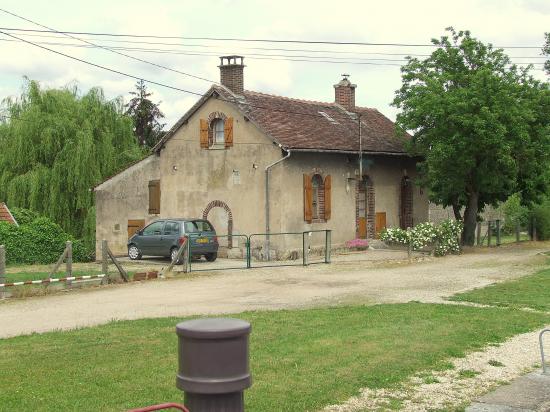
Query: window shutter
[[154, 197], [308, 199], [328, 185], [204, 134], [228, 132]]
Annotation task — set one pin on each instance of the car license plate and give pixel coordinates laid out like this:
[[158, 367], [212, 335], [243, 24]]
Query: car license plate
[[202, 240]]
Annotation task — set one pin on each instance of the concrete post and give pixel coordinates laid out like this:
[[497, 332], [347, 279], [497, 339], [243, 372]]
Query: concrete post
[[489, 233], [104, 258], [305, 248], [2, 268], [69, 262], [410, 247], [213, 364], [498, 231]]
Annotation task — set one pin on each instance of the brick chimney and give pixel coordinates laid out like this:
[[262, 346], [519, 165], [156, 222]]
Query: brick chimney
[[344, 93], [231, 73]]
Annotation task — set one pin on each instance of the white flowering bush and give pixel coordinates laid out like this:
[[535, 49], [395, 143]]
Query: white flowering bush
[[444, 236]]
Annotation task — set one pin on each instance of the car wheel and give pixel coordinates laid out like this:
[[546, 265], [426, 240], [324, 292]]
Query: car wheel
[[134, 253], [173, 254], [211, 257]]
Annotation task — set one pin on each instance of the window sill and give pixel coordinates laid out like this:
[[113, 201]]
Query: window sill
[[217, 146]]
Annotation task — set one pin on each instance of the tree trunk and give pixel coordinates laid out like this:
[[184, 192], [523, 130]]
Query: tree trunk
[[456, 210], [470, 220]]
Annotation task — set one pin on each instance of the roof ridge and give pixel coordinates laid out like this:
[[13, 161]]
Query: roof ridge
[[294, 99]]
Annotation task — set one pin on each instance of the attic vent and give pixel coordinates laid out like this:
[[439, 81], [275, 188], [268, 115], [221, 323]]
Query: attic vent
[[330, 119]]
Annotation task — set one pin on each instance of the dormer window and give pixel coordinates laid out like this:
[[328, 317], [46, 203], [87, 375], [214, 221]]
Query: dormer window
[[218, 132]]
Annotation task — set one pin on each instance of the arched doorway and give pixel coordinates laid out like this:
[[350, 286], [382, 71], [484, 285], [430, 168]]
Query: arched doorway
[[364, 209], [219, 203], [406, 203]]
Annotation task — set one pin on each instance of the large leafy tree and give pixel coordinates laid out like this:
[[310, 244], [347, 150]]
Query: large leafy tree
[[56, 145], [481, 126], [146, 116]]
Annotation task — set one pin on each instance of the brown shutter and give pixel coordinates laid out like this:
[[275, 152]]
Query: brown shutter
[[308, 199], [328, 185], [154, 197], [228, 132], [204, 134]]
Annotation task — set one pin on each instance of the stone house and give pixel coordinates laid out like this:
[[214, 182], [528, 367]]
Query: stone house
[[252, 162]]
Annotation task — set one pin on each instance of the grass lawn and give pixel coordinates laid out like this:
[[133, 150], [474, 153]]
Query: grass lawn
[[531, 291], [300, 360]]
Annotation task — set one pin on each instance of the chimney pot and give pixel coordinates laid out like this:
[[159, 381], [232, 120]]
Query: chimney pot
[[232, 73], [344, 93]]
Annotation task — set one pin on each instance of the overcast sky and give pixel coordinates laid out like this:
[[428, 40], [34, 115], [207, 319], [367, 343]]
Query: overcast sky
[[500, 22]]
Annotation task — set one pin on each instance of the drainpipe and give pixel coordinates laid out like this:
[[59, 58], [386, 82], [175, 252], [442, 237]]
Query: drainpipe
[[267, 229]]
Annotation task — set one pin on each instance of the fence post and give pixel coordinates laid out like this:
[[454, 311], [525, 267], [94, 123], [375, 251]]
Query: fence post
[[104, 259], [498, 231], [248, 259], [2, 269], [489, 233], [305, 248], [517, 232], [534, 229], [478, 233], [328, 245], [69, 261]]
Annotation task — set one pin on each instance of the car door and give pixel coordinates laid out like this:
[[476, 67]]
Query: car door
[[149, 241], [170, 235]]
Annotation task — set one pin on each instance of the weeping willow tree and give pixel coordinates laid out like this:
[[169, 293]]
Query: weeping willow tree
[[57, 144]]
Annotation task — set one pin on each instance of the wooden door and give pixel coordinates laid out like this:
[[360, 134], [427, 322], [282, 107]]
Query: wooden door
[[134, 226], [380, 222], [362, 227]]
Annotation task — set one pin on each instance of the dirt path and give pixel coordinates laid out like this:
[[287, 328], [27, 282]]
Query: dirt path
[[347, 280]]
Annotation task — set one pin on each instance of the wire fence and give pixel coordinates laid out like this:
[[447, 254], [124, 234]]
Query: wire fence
[[498, 232]]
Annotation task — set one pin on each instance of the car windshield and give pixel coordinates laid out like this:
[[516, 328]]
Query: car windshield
[[198, 226]]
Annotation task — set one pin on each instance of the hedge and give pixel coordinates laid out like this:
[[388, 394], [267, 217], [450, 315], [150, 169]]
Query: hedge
[[37, 239]]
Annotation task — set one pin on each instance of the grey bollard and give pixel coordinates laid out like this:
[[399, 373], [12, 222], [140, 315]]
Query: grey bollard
[[213, 369]]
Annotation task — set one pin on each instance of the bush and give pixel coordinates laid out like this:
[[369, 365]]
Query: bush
[[444, 236], [514, 213], [37, 241], [541, 214]]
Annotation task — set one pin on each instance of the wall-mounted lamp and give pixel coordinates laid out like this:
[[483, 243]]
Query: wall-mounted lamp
[[254, 166], [174, 168]]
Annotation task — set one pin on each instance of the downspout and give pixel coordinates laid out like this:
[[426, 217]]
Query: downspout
[[267, 228]]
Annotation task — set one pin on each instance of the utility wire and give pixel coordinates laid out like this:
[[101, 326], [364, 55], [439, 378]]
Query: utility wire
[[253, 56], [107, 48], [100, 66], [254, 48], [235, 101], [237, 39]]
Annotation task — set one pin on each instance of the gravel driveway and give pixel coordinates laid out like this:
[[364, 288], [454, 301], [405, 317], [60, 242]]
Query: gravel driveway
[[370, 277]]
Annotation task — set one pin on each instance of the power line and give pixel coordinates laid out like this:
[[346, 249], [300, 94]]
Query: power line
[[255, 48], [237, 39], [253, 56], [108, 48], [100, 66], [235, 101]]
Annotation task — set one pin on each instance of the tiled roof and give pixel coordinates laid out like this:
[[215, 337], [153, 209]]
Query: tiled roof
[[308, 125], [5, 214]]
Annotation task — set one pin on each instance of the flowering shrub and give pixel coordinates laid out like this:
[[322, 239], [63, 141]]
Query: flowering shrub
[[357, 244], [444, 236]]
